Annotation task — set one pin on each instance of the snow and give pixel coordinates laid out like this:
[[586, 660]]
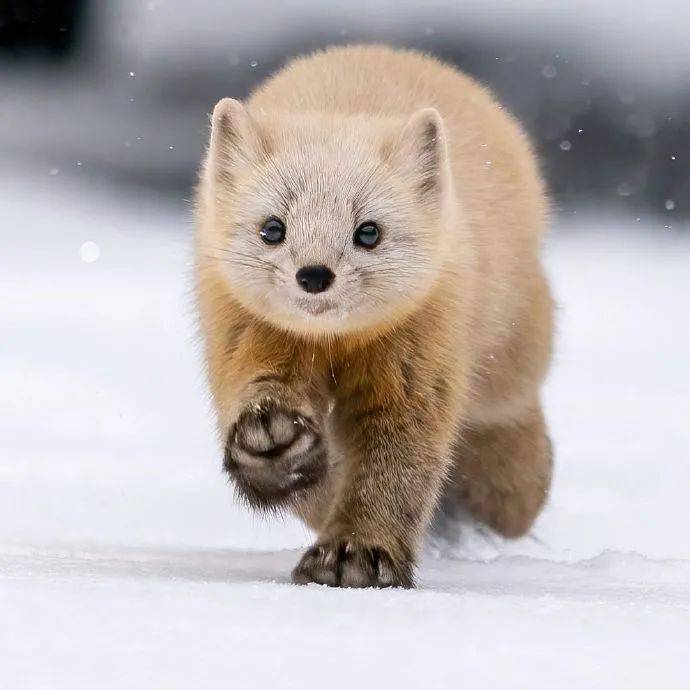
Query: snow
[[125, 563]]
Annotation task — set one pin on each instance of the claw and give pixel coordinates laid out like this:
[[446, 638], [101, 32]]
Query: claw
[[347, 564]]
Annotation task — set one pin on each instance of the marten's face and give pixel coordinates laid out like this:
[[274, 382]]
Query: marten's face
[[329, 229]]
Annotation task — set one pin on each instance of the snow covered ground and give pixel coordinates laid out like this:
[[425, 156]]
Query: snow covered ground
[[125, 564]]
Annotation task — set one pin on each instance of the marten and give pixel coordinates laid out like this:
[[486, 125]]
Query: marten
[[376, 320]]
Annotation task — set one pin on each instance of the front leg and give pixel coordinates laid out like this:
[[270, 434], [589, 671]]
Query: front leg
[[397, 446], [270, 414]]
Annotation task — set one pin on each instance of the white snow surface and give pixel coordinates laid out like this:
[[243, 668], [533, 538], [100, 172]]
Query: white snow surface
[[125, 563]]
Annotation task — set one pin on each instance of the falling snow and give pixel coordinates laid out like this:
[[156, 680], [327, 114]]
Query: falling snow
[[89, 252]]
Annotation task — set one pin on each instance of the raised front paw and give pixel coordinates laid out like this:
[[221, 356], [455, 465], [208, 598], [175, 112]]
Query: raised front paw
[[272, 452], [345, 563]]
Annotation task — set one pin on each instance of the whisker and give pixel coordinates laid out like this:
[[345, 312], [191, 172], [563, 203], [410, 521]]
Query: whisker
[[330, 359]]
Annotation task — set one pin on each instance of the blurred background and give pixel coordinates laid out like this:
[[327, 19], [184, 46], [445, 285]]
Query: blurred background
[[106, 434], [121, 90]]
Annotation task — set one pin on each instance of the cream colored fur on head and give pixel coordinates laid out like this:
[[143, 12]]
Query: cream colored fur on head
[[323, 175]]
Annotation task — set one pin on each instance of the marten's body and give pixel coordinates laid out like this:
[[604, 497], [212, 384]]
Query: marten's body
[[405, 358]]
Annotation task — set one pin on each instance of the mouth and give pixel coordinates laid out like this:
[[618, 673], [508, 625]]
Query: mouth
[[316, 307]]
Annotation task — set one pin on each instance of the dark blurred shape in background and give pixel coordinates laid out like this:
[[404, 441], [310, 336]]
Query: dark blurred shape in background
[[30, 28], [122, 89]]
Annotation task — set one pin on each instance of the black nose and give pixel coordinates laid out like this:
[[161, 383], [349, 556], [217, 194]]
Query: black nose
[[315, 278]]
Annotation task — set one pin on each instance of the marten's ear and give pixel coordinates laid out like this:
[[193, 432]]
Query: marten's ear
[[422, 154], [236, 138]]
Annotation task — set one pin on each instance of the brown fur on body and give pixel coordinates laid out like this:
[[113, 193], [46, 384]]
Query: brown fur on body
[[419, 371]]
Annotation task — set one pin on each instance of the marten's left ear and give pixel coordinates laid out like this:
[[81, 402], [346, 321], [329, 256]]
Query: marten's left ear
[[236, 138], [421, 153]]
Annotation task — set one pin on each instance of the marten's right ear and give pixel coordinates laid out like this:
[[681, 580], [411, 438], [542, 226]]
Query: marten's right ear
[[421, 153], [235, 138]]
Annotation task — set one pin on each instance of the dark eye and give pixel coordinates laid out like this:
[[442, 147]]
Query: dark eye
[[367, 235], [273, 231]]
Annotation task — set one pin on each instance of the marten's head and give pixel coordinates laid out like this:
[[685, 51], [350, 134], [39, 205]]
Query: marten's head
[[325, 224]]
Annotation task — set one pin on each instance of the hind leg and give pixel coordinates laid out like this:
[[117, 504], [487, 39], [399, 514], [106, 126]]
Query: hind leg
[[502, 472]]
